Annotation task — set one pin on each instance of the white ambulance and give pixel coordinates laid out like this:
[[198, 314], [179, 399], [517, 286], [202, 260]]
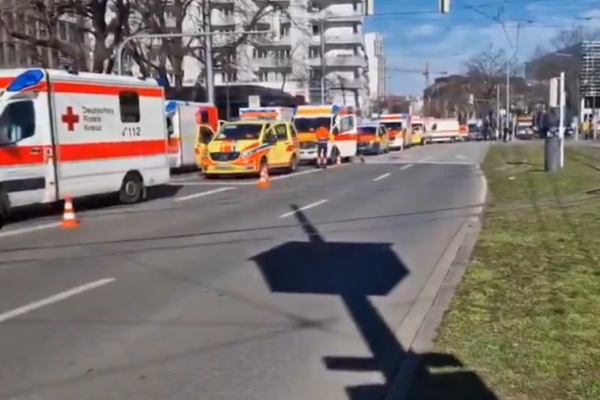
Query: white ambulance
[[184, 120], [79, 134]]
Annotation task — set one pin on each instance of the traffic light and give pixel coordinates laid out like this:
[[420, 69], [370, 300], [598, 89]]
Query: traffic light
[[444, 6]]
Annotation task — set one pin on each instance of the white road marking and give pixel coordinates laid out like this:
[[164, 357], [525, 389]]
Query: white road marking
[[424, 159], [306, 207], [308, 171], [380, 177], [53, 299], [29, 229], [203, 194], [407, 166], [460, 157]]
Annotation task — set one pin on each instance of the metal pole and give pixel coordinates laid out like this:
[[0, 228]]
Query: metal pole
[[497, 111], [507, 93], [208, 58], [561, 119], [323, 65]]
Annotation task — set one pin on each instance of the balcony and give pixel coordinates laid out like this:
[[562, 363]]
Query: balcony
[[340, 39], [269, 40], [272, 62], [341, 61], [224, 20]]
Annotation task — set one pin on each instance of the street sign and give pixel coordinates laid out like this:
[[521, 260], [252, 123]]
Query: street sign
[[253, 101]]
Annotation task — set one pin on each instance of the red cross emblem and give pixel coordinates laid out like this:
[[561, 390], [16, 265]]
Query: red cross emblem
[[70, 118]]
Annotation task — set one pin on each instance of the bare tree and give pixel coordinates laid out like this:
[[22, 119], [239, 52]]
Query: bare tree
[[296, 63], [90, 20], [486, 70]]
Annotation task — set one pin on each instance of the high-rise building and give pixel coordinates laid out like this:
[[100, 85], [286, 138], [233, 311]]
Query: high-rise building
[[377, 66]]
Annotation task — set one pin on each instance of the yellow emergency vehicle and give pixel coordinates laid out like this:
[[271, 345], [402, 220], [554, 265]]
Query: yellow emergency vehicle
[[373, 138], [248, 146]]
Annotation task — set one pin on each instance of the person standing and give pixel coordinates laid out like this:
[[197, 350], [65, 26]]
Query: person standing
[[322, 146]]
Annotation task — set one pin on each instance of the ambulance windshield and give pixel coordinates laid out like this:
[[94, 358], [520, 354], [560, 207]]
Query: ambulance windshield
[[393, 126], [239, 132], [367, 130], [311, 124]]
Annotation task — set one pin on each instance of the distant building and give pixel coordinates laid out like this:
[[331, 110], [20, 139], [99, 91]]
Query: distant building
[[377, 70]]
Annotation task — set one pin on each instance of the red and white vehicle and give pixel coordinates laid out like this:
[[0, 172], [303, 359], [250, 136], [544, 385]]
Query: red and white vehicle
[[79, 134]]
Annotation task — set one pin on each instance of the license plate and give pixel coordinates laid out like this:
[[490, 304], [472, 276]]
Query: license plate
[[224, 168]]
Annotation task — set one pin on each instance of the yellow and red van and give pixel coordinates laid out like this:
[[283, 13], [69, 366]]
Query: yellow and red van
[[249, 146]]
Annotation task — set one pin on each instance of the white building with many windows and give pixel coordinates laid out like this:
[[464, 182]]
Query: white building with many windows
[[377, 66], [288, 55]]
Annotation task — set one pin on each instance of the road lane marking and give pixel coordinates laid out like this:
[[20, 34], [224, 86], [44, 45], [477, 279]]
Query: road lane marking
[[306, 207], [203, 194], [407, 166], [54, 299], [380, 177], [308, 171], [29, 229], [425, 159]]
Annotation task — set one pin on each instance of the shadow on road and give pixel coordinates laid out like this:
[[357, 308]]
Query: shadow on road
[[354, 272]]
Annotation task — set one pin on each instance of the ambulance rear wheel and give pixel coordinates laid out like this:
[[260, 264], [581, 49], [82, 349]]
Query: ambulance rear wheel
[[132, 189]]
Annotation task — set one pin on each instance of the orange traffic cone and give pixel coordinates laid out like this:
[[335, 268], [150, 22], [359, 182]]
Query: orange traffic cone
[[264, 182], [69, 220]]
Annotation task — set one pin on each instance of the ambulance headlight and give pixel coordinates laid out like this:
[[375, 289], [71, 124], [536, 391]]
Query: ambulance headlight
[[248, 153]]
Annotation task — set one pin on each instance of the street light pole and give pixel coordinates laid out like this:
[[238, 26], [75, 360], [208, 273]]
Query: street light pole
[[561, 119], [210, 84], [323, 62]]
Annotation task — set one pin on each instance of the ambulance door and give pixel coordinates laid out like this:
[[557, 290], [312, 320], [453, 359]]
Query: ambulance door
[[281, 154], [23, 140], [173, 141], [205, 135], [346, 139], [187, 128]]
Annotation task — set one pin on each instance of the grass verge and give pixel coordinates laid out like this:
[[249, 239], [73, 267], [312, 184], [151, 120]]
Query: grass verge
[[526, 316]]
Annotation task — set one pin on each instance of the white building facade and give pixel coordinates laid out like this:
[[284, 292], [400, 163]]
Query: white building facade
[[377, 66], [288, 55]]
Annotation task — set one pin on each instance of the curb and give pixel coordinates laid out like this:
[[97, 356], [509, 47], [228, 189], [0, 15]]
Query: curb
[[453, 271]]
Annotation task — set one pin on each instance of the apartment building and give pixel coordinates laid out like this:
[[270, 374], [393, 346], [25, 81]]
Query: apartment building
[[288, 56], [377, 73]]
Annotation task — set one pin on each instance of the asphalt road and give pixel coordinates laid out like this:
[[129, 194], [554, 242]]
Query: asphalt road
[[228, 291]]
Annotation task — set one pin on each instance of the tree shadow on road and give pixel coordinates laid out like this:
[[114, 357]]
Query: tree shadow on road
[[354, 272]]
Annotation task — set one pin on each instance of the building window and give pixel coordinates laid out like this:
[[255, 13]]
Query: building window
[[229, 76], [316, 30]]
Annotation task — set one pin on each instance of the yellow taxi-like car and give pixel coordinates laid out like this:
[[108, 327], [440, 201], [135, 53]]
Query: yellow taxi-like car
[[373, 138], [249, 146]]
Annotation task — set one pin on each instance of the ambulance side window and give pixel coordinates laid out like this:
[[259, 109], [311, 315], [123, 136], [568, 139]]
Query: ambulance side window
[[346, 123], [129, 104], [281, 132], [17, 122]]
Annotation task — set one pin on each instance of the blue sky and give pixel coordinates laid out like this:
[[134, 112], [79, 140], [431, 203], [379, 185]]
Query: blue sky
[[415, 33]]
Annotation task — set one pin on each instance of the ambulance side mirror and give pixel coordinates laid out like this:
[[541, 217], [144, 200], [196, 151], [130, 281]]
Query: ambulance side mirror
[[335, 130]]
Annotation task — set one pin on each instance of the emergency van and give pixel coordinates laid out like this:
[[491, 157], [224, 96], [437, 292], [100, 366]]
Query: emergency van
[[397, 126], [249, 146], [373, 138], [418, 129], [342, 123], [186, 138], [65, 134], [271, 113], [443, 130]]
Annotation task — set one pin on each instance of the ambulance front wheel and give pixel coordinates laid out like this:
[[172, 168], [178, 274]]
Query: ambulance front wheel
[[132, 189]]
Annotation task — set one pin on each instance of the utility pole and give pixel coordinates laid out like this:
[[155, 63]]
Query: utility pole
[[208, 54], [506, 125], [323, 61], [561, 119], [497, 111]]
